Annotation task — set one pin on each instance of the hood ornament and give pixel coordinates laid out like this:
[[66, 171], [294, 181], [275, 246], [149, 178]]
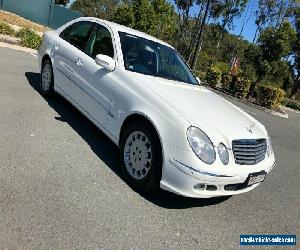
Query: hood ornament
[[251, 127]]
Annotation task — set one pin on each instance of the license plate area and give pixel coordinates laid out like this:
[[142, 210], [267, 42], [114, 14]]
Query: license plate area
[[255, 178]]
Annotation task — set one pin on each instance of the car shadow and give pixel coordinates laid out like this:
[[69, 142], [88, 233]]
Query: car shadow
[[108, 152]]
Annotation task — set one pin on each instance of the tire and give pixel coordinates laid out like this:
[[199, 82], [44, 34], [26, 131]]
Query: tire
[[47, 79], [141, 156]]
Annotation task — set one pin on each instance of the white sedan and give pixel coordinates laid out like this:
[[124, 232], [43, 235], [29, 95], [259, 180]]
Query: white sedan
[[172, 132]]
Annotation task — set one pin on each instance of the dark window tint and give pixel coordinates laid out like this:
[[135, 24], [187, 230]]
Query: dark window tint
[[77, 34], [100, 43], [151, 58]]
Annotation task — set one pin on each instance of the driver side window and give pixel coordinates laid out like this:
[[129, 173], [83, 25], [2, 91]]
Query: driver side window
[[100, 42]]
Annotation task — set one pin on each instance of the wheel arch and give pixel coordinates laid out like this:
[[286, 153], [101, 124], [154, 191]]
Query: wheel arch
[[140, 117], [45, 57]]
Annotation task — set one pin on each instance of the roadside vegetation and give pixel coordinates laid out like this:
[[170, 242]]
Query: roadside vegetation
[[6, 29], [28, 38]]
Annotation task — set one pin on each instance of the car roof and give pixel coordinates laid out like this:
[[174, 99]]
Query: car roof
[[125, 29]]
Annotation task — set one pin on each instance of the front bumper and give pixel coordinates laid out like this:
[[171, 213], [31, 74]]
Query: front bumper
[[181, 176]]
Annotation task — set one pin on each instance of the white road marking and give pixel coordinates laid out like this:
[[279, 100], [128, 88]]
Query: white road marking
[[34, 55]]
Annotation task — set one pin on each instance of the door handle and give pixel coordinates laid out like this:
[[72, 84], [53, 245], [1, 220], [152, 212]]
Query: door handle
[[78, 61], [56, 47]]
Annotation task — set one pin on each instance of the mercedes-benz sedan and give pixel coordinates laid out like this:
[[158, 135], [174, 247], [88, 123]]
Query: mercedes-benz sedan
[[172, 132]]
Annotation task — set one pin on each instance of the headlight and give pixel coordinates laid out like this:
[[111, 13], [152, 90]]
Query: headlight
[[201, 145], [223, 153], [269, 147]]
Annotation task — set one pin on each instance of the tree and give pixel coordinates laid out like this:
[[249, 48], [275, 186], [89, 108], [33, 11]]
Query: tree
[[272, 13], [277, 43], [199, 39], [124, 15], [97, 8], [273, 45], [62, 2], [183, 9], [228, 10], [165, 20], [296, 66], [143, 16]]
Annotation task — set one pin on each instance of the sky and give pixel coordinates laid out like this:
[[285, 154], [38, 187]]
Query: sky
[[249, 29]]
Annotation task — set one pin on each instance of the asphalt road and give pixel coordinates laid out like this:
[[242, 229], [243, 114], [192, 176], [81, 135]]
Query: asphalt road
[[60, 186]]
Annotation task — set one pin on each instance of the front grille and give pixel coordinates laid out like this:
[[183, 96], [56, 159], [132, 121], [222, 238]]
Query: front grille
[[249, 152]]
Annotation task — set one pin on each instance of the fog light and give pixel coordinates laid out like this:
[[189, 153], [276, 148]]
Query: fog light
[[199, 186]]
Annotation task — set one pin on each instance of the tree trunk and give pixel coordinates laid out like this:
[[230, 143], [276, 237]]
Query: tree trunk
[[193, 39], [295, 88], [255, 35], [197, 49]]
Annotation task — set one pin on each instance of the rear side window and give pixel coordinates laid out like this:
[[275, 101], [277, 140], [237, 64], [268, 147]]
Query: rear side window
[[77, 34], [100, 43]]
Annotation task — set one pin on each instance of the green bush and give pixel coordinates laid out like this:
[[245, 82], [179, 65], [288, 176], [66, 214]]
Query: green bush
[[237, 86], [29, 38], [241, 87], [226, 81], [213, 77], [199, 74], [222, 67], [5, 29], [292, 104], [270, 96]]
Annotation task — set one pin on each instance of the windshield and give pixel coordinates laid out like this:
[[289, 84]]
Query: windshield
[[151, 58]]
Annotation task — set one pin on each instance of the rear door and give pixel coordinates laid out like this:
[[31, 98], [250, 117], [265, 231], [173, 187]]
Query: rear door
[[66, 53]]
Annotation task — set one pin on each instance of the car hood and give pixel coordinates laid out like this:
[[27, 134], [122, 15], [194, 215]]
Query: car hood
[[218, 118]]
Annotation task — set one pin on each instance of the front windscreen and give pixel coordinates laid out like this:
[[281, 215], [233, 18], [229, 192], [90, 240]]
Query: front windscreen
[[151, 58]]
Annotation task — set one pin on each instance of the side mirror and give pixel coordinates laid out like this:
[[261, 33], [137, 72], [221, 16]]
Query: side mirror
[[106, 62], [198, 79]]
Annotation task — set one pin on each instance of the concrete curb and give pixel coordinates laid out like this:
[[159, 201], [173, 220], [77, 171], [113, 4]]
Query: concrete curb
[[290, 109], [9, 39], [19, 48]]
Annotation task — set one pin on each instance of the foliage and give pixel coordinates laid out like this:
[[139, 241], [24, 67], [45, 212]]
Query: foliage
[[296, 52], [199, 74], [292, 104], [226, 80], [270, 97], [154, 17], [143, 15], [124, 15], [277, 42], [6, 29], [29, 38], [223, 67], [165, 20], [97, 8], [280, 74], [213, 76], [240, 87]]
